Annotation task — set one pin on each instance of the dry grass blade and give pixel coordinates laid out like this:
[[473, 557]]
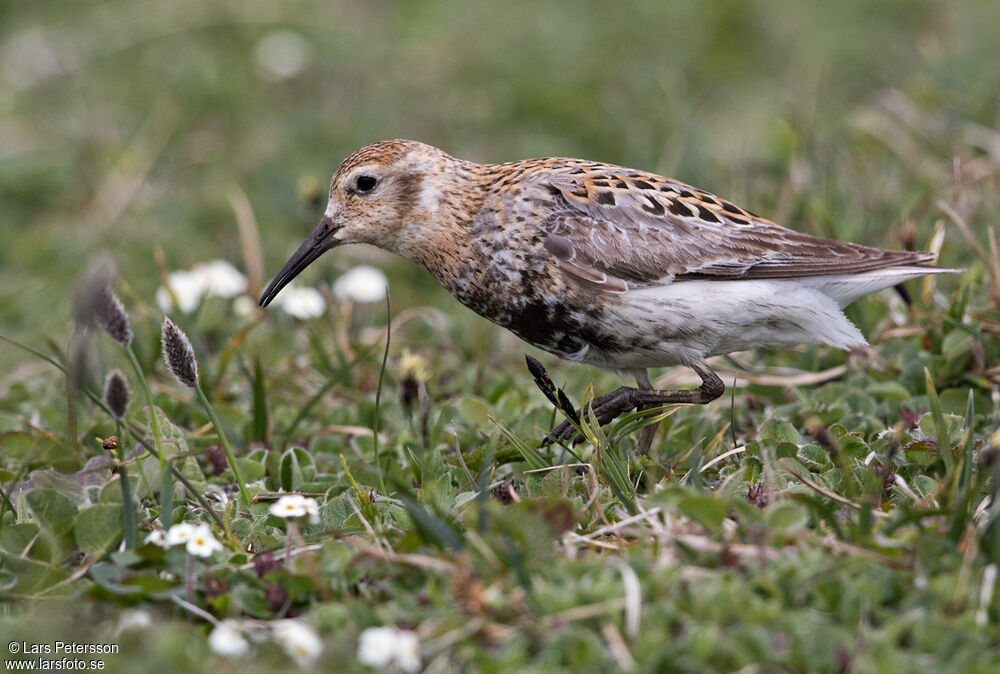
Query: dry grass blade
[[618, 647], [991, 259], [843, 547], [410, 559], [741, 550], [964, 228], [583, 612], [350, 430], [633, 599], [253, 257], [789, 379], [618, 526], [744, 377], [723, 457], [833, 496]]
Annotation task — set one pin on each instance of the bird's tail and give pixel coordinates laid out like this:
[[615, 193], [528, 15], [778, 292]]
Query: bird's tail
[[845, 288]]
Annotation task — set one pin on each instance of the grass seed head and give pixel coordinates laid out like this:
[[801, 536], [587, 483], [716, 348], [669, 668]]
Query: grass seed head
[[96, 303], [110, 316], [179, 354], [414, 371], [100, 275], [116, 393]]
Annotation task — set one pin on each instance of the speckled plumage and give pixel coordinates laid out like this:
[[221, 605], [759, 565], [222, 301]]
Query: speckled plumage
[[598, 263]]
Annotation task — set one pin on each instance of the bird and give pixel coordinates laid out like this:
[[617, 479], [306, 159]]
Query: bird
[[604, 265]]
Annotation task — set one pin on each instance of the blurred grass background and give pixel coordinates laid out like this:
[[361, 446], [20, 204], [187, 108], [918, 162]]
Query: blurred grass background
[[134, 127], [128, 126]]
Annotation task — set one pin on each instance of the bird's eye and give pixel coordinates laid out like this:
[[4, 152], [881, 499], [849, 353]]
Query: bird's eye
[[365, 183]]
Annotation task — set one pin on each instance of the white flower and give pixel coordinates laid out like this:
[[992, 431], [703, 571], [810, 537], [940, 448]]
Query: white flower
[[217, 278], [383, 646], [361, 284], [134, 619], [244, 306], [227, 639], [201, 542], [179, 533], [312, 509], [298, 640], [187, 287], [294, 506], [221, 278], [281, 54], [301, 303], [157, 537]]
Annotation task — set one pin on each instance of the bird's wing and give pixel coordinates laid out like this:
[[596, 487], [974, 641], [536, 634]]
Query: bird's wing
[[618, 229]]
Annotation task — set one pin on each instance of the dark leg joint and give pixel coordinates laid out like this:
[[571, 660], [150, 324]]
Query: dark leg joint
[[711, 386], [556, 395], [609, 406]]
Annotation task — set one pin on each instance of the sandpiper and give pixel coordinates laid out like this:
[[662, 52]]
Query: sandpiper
[[601, 264]]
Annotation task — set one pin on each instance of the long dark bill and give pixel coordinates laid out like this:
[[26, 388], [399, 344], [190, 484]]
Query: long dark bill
[[317, 244]]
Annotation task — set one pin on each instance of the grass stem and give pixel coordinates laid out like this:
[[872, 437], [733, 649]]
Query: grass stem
[[154, 422], [226, 445], [128, 505], [378, 395]]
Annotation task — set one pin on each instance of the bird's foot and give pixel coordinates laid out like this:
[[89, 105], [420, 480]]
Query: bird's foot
[[555, 394], [646, 438], [605, 409]]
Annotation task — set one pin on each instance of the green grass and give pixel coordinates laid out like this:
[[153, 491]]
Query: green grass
[[830, 513]]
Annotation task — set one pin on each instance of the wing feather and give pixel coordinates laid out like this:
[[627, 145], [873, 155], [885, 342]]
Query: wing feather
[[638, 229]]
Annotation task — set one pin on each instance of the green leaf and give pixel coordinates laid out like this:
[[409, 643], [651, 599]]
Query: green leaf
[[250, 469], [120, 581], [291, 468], [475, 411], [960, 487], [948, 426], [779, 431], [109, 577], [23, 451], [956, 345], [707, 511], [16, 538], [786, 450], [786, 517], [814, 457], [612, 466], [924, 452], [71, 485], [432, 528], [8, 581], [32, 576], [251, 600], [174, 438], [336, 512], [940, 429], [530, 455], [261, 423], [98, 529], [54, 512], [888, 389]]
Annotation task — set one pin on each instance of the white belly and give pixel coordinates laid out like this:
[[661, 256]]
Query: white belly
[[685, 322]]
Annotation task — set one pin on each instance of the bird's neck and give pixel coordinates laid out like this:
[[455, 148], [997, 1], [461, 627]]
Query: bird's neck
[[439, 237]]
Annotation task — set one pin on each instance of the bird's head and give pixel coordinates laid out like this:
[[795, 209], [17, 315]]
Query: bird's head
[[381, 195]]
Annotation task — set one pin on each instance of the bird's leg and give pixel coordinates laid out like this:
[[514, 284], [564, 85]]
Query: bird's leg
[[646, 437], [625, 399]]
